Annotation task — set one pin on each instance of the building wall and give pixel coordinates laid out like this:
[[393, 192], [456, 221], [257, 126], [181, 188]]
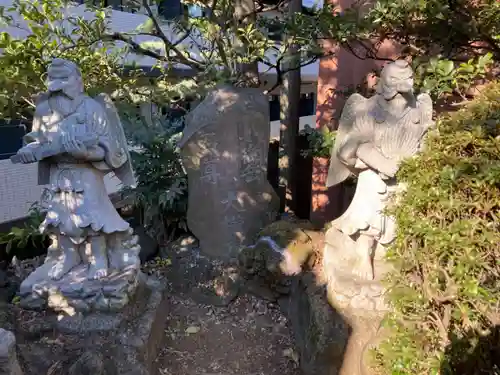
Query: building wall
[[342, 72]]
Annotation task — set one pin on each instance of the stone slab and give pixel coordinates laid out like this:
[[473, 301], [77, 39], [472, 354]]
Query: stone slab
[[224, 149], [348, 292], [126, 342]]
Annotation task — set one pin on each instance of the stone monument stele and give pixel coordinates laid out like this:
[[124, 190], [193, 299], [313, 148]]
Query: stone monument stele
[[373, 137], [224, 149], [92, 263]]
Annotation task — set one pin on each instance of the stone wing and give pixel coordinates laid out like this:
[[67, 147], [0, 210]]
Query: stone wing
[[118, 156], [338, 171]]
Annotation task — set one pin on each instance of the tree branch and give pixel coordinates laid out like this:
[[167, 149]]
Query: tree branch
[[136, 47], [169, 46], [369, 54]]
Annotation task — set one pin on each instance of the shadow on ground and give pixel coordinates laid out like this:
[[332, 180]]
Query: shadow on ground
[[247, 317]]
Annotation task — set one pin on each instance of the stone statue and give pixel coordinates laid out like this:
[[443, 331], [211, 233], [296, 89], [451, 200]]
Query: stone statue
[[76, 141], [374, 135]]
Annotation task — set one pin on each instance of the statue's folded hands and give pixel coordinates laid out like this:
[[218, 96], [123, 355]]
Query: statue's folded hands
[[372, 157], [80, 151], [27, 155]]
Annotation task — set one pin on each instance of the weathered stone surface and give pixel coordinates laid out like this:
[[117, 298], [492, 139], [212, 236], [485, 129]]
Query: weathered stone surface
[[126, 342], [9, 364], [321, 333], [282, 250], [374, 136], [74, 292], [345, 289], [224, 149]]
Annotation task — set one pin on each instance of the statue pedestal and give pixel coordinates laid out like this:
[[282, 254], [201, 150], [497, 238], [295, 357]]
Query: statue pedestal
[[74, 293], [360, 301], [125, 342]]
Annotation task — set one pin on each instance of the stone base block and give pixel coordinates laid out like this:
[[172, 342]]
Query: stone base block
[[346, 290], [75, 293], [321, 333], [360, 301], [125, 342]]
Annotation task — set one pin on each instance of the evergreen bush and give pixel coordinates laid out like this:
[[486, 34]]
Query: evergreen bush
[[446, 294], [161, 193]]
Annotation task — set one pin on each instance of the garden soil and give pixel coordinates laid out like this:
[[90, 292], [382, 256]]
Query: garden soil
[[246, 336]]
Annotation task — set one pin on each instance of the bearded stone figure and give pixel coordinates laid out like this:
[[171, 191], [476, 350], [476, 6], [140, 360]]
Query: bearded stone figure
[[76, 141], [374, 136]]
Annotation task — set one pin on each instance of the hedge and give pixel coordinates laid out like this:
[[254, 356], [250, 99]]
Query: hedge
[[446, 295]]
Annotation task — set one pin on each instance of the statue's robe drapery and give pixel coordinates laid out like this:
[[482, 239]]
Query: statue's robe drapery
[[366, 121], [79, 205]]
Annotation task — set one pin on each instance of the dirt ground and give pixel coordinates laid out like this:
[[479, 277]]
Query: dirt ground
[[247, 337]]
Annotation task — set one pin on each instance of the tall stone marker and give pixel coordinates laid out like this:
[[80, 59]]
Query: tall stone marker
[[224, 150]]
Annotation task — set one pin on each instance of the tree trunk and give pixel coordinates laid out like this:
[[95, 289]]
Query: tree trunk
[[290, 118], [244, 14]]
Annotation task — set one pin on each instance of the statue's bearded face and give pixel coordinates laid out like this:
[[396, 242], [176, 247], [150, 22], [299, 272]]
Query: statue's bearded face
[[396, 79], [62, 84], [62, 78], [402, 82]]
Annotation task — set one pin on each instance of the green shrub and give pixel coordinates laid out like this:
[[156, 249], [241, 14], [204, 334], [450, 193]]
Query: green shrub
[[320, 141], [161, 192], [446, 296], [26, 241]]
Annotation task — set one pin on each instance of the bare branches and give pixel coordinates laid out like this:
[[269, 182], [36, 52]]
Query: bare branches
[[136, 47], [169, 46], [370, 52]]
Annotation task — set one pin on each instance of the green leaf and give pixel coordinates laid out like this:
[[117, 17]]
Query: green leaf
[[146, 27], [446, 66]]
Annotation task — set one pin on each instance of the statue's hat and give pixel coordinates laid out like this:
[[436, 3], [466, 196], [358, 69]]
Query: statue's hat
[[60, 68]]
